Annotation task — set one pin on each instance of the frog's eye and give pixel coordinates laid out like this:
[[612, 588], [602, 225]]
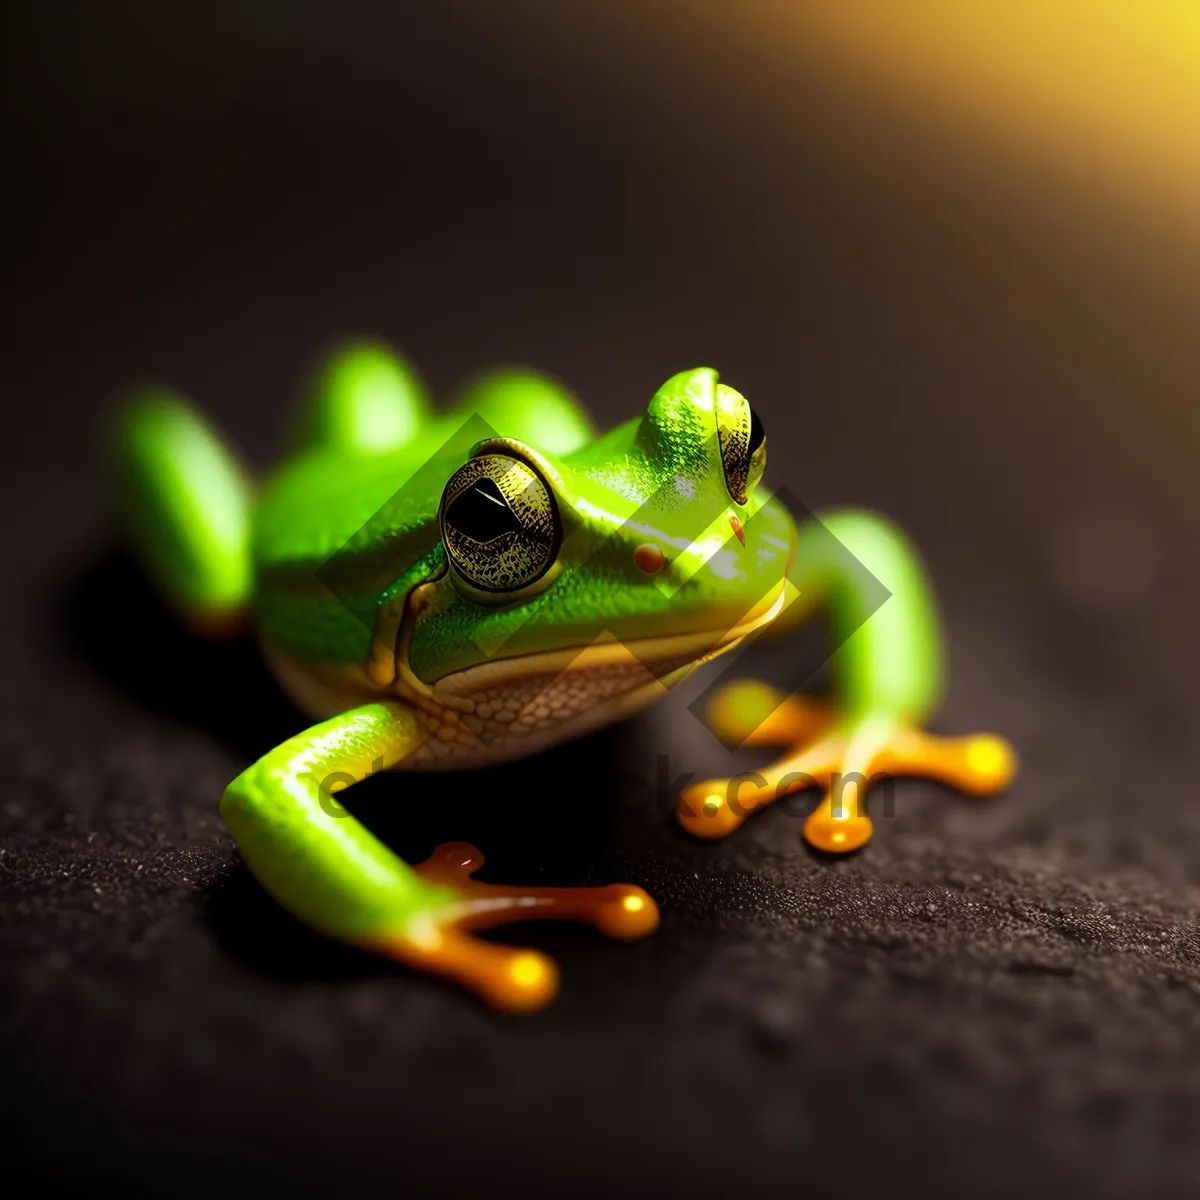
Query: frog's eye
[[743, 442], [499, 523]]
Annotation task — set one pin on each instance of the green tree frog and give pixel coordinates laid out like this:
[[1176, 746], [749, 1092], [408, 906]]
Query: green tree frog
[[443, 591]]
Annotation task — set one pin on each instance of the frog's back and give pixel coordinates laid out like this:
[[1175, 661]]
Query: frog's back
[[357, 503], [326, 499], [374, 456]]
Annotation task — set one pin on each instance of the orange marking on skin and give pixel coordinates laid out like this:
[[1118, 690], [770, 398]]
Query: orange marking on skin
[[738, 531], [649, 558]]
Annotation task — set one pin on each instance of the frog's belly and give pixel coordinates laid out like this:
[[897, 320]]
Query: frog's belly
[[538, 710], [475, 719]]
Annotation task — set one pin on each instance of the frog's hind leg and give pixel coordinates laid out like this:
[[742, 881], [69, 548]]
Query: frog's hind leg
[[185, 505], [363, 399], [888, 679]]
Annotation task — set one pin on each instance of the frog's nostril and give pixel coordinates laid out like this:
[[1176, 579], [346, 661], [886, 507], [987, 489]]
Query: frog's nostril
[[738, 531], [649, 558]]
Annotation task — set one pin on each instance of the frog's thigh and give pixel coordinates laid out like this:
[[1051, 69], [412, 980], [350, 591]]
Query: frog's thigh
[[186, 503], [323, 866]]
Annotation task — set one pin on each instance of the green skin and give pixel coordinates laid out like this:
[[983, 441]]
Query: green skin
[[328, 552]]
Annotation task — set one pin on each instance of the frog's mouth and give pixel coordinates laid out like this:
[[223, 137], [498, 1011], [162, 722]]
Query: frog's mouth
[[515, 706], [661, 655]]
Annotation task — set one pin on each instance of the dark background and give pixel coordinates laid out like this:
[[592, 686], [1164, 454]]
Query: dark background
[[1002, 996]]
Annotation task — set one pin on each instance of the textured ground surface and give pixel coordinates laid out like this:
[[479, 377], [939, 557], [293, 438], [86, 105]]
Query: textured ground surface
[[995, 997]]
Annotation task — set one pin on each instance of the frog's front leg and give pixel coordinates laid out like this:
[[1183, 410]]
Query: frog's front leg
[[888, 679], [327, 869]]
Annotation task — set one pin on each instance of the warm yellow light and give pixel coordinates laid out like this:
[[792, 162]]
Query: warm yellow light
[[1107, 85]]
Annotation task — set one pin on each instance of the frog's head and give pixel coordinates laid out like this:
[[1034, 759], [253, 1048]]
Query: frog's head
[[605, 570]]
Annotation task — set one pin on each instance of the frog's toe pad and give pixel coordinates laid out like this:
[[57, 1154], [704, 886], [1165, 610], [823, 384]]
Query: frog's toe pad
[[979, 764], [511, 978], [708, 810], [837, 831]]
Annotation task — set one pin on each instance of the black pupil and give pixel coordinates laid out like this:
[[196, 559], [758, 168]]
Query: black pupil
[[757, 433], [481, 512]]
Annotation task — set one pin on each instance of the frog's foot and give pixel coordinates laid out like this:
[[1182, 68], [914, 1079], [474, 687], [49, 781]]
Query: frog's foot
[[513, 978], [841, 755]]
